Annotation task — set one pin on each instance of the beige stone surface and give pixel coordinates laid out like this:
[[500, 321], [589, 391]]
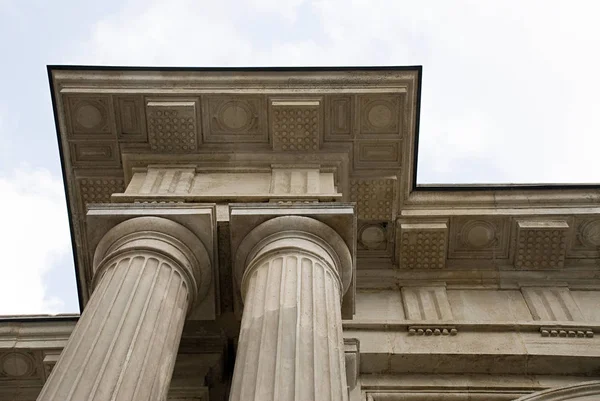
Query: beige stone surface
[[588, 302], [178, 183], [383, 304], [291, 345], [126, 340], [488, 305], [455, 294]]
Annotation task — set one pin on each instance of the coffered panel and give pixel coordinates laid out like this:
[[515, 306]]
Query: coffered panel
[[477, 237], [173, 124], [380, 115], [238, 118], [377, 154], [130, 118], [296, 124], [585, 243], [89, 115], [340, 118]]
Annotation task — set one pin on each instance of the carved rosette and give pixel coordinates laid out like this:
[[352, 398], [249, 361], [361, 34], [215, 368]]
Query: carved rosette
[[478, 237], [17, 365], [589, 233], [89, 115], [380, 114]]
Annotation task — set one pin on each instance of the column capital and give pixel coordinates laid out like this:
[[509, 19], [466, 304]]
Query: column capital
[[327, 231], [184, 235], [157, 235]]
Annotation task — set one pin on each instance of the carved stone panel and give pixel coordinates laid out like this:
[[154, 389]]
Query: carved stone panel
[[551, 303], [88, 115], [340, 112], [163, 181], [172, 125], [94, 153], [478, 237], [422, 245], [296, 125], [586, 241], [19, 365], [183, 183], [131, 124], [377, 154], [426, 303], [99, 189], [235, 119], [375, 198], [380, 115], [374, 239], [540, 244]]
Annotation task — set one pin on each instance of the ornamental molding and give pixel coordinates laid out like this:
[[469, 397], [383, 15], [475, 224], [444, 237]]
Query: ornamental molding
[[588, 391], [166, 136]]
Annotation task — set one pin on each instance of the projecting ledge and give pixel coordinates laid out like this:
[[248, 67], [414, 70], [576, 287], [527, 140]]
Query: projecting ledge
[[390, 349], [250, 184]]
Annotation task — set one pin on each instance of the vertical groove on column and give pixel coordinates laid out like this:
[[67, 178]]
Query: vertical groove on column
[[290, 345], [286, 351], [99, 347], [337, 358], [68, 383], [280, 328], [125, 333], [328, 322], [321, 351], [241, 359], [170, 347], [127, 337], [253, 337], [77, 336], [272, 309], [297, 381], [146, 328], [158, 361], [145, 364]]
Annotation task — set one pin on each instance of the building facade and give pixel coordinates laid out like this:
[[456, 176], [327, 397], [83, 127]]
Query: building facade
[[258, 234]]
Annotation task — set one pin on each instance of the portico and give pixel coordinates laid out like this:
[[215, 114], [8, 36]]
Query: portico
[[258, 234]]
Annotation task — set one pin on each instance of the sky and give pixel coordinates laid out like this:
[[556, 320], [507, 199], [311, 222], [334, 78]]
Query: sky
[[510, 92]]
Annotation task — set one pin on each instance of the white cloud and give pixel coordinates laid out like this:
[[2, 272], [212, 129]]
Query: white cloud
[[504, 82], [509, 91], [34, 234]]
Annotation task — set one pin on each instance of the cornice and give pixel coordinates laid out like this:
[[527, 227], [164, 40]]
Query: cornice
[[581, 391]]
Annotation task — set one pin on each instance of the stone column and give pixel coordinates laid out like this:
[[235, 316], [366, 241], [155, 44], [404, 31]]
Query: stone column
[[125, 343], [291, 344]]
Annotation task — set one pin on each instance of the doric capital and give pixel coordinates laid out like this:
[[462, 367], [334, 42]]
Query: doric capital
[[183, 236], [325, 232], [297, 234], [157, 235]]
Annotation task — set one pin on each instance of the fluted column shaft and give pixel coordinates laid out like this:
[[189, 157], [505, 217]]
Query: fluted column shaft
[[290, 343], [125, 343]]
